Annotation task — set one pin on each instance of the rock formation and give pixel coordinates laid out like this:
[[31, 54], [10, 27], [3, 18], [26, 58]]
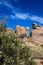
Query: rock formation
[[37, 33], [21, 30]]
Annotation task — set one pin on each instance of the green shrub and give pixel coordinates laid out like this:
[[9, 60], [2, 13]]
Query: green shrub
[[14, 52]]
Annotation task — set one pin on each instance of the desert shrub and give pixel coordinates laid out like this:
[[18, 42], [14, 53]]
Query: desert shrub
[[14, 52]]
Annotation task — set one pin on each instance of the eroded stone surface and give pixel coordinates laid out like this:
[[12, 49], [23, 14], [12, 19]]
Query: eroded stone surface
[[37, 34], [21, 30]]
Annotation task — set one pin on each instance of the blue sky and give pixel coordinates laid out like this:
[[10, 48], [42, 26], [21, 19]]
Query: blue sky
[[21, 12]]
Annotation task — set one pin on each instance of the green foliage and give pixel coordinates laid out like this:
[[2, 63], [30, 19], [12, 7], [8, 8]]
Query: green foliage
[[2, 25], [13, 51]]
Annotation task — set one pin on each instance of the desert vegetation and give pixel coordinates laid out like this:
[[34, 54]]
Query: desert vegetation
[[13, 51]]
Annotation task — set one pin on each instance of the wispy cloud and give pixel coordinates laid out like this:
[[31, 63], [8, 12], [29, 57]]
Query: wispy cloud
[[21, 16], [9, 5], [36, 18], [6, 4], [27, 16]]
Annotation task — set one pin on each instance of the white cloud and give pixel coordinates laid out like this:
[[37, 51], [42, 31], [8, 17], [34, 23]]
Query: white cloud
[[21, 16], [36, 18], [6, 4], [9, 5], [25, 16]]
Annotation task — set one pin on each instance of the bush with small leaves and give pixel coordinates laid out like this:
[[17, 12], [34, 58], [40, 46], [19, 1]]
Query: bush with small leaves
[[14, 51]]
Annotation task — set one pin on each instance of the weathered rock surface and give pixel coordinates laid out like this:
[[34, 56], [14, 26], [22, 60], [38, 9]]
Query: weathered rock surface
[[37, 34], [21, 30]]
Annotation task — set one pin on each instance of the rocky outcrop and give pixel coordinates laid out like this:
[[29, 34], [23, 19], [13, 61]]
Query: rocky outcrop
[[37, 33], [20, 30]]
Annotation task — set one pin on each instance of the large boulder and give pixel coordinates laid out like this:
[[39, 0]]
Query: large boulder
[[37, 34], [21, 30]]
